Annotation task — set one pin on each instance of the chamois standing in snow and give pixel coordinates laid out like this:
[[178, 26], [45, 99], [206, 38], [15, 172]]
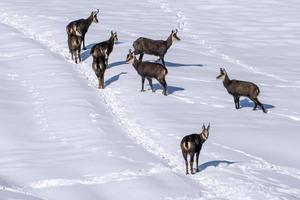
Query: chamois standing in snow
[[149, 70], [239, 88], [74, 43], [82, 25], [99, 66], [191, 145], [154, 47], [97, 49]]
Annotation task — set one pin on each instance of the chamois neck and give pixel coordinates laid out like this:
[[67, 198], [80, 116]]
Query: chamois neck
[[89, 20], [227, 80], [202, 137], [136, 63], [169, 41]]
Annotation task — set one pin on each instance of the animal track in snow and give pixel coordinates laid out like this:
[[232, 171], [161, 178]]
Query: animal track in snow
[[97, 180]]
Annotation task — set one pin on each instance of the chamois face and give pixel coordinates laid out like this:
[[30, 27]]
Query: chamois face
[[222, 74], [205, 132], [114, 36], [130, 57], [94, 14], [174, 36]]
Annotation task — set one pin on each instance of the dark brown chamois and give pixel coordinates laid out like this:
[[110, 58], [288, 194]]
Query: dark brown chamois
[[149, 70], [82, 25], [191, 146], [154, 47], [239, 88], [74, 43], [99, 66], [97, 49]]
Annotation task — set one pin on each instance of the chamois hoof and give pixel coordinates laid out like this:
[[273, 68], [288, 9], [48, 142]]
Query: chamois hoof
[[84, 48], [143, 90]]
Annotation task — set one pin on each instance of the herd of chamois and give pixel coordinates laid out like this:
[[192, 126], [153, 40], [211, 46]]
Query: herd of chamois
[[190, 144]]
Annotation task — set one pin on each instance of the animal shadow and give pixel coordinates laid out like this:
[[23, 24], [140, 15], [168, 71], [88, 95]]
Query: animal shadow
[[214, 163], [172, 64], [248, 103], [114, 78], [114, 64], [171, 89], [87, 53]]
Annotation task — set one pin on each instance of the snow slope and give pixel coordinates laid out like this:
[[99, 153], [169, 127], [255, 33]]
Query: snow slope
[[62, 138]]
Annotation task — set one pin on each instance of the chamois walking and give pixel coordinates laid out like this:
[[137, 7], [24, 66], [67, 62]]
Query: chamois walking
[[108, 45], [99, 66], [149, 70], [154, 47], [82, 25], [239, 88], [74, 43], [191, 146]]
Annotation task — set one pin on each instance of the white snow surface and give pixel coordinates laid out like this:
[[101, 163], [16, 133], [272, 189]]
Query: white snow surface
[[63, 138]]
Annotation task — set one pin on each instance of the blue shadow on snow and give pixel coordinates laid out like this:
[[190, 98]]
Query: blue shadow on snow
[[214, 163]]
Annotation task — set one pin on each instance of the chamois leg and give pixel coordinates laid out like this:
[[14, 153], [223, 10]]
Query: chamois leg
[[197, 161], [257, 102], [163, 61], [163, 82], [143, 81], [150, 83], [237, 101], [141, 56], [76, 57], [102, 80], [72, 56], [192, 162], [184, 153], [99, 82], [83, 41], [79, 55]]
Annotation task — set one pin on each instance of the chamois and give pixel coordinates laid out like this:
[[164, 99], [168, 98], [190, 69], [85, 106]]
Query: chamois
[[99, 66], [97, 49], [82, 25], [154, 47], [74, 43], [239, 88], [191, 145], [149, 70]]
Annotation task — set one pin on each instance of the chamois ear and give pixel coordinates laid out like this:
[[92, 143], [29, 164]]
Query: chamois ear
[[208, 126], [176, 30], [203, 127], [111, 32], [130, 51], [173, 31]]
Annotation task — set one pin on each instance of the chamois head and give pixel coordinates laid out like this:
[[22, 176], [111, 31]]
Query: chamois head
[[205, 132], [94, 15], [130, 57], [174, 35], [222, 75], [114, 36]]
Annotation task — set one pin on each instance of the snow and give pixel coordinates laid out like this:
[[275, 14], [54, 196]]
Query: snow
[[62, 138]]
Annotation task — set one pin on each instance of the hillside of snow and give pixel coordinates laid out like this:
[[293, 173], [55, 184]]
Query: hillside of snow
[[63, 138]]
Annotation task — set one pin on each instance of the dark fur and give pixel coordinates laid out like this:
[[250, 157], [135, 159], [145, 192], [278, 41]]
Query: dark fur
[[99, 67], [149, 70], [191, 145], [239, 88], [74, 43], [83, 25], [154, 47], [108, 45]]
